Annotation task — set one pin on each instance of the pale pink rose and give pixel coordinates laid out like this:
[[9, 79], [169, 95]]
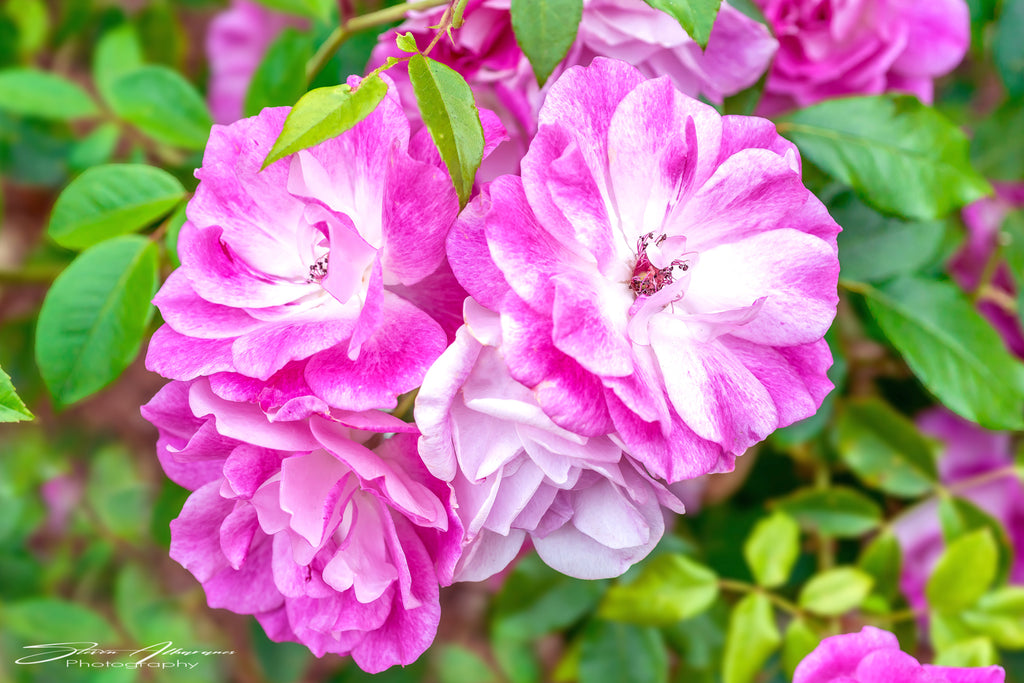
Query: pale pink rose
[[661, 272], [588, 509], [831, 48], [328, 532]]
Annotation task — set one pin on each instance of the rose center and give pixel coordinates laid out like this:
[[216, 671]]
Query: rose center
[[648, 278], [318, 271]]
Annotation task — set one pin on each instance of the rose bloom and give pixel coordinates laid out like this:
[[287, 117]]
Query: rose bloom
[[969, 452], [485, 52], [873, 656], [831, 48], [660, 272], [983, 219], [330, 535], [236, 43], [297, 282], [589, 509]]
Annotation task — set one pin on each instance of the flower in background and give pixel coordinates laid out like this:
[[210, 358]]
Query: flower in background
[[873, 656], [983, 219], [589, 509], [660, 271], [236, 42], [831, 48], [293, 284], [969, 452], [330, 534], [485, 52]]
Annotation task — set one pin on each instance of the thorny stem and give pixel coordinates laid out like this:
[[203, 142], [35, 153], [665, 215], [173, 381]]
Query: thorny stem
[[356, 24], [777, 600]]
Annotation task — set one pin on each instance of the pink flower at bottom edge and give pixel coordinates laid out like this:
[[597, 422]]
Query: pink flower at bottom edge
[[874, 656], [330, 534]]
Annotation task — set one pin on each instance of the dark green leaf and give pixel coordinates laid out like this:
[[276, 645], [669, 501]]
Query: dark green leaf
[[959, 516], [449, 111], [898, 154], [752, 638], [670, 587], [280, 79], [953, 351], [536, 600], [885, 449], [882, 560], [107, 201], [772, 549], [50, 620], [118, 496], [799, 641], [838, 511], [12, 408], [998, 155], [1012, 238], [283, 662], [834, 592], [94, 316], [1008, 48], [325, 113], [163, 105], [964, 572], [117, 54], [875, 247], [174, 224], [45, 95], [545, 30], [695, 16], [96, 148], [614, 652]]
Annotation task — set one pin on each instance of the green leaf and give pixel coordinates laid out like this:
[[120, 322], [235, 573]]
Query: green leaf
[[313, 9], [799, 641], [163, 105], [50, 620], [325, 113], [752, 638], [772, 549], [33, 22], [280, 79], [118, 53], [964, 572], [614, 652], [695, 16], [1011, 237], [999, 615], [959, 516], [112, 200], [882, 560], [457, 664], [406, 42], [953, 351], [174, 225], [545, 30], [44, 95], [839, 511], [901, 156], [835, 591], [449, 111], [117, 494], [94, 316], [670, 587], [536, 600], [995, 154], [12, 408], [875, 247], [975, 652], [96, 148], [1008, 48], [885, 449]]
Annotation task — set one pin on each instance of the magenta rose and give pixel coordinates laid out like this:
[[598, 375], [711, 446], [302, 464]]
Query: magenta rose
[[831, 48], [983, 219], [874, 656], [660, 272], [588, 508], [329, 533], [236, 43], [297, 282], [969, 452]]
